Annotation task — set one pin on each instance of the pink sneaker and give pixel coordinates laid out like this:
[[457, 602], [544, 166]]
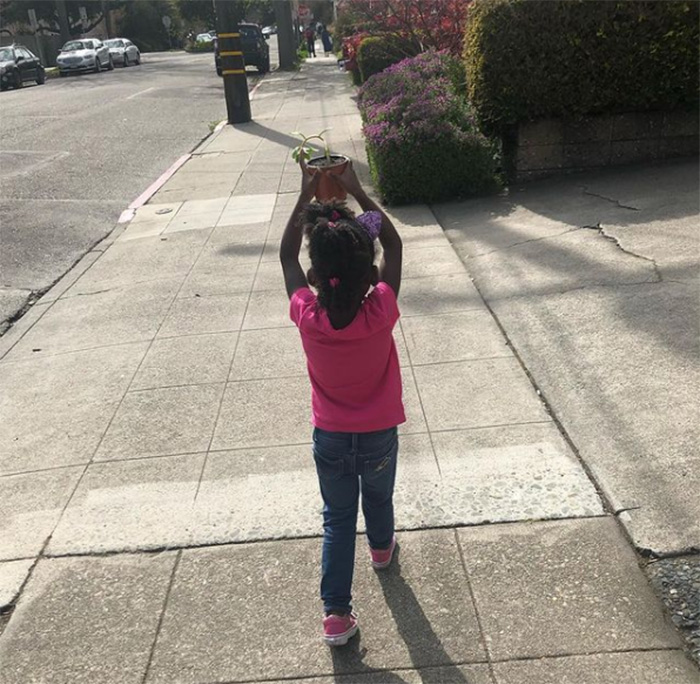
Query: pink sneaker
[[381, 558], [338, 629]]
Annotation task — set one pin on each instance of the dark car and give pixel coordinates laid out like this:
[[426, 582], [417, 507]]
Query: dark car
[[256, 51], [18, 65]]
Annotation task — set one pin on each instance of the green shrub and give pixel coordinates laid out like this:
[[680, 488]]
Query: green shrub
[[422, 141], [378, 52], [534, 59]]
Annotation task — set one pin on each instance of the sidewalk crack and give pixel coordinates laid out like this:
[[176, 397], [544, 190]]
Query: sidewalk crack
[[608, 199], [525, 242], [616, 242]]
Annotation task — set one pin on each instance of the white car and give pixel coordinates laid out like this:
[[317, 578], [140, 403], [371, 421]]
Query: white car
[[86, 54], [204, 38], [123, 51]]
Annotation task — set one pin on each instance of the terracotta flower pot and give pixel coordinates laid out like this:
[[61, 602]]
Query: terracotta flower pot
[[328, 187]]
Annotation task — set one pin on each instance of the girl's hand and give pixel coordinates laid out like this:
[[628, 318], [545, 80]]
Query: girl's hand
[[309, 181], [348, 179]]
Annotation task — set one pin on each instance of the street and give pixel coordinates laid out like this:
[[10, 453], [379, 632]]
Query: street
[[76, 151]]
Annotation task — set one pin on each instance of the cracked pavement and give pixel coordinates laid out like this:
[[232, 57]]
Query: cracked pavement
[[607, 327]]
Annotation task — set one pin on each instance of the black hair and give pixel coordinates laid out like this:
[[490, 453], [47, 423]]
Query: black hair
[[341, 252]]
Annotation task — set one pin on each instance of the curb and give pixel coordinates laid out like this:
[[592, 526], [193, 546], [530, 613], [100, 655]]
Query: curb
[[152, 189]]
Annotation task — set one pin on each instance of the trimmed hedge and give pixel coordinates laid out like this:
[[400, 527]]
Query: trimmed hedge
[[376, 53], [422, 141], [536, 59]]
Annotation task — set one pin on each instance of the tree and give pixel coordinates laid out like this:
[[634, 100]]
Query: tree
[[14, 13], [142, 22], [199, 13], [436, 24]]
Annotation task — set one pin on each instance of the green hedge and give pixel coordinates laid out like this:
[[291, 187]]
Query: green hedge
[[451, 167], [379, 52], [535, 59]]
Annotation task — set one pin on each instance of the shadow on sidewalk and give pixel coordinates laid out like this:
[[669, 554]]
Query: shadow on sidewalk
[[259, 131], [424, 647]]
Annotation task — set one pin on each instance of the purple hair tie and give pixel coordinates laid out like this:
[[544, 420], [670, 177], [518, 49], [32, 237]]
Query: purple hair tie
[[371, 221], [335, 215]]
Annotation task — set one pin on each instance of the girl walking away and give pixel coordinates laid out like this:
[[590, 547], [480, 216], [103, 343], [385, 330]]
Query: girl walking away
[[310, 36], [346, 328]]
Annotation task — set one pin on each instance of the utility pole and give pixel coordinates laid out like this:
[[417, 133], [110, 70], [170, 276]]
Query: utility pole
[[232, 64], [286, 40]]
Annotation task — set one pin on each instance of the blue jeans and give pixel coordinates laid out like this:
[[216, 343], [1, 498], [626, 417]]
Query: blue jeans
[[348, 463]]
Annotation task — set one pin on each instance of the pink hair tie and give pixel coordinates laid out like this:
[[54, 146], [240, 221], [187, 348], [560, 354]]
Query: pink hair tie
[[334, 282], [335, 215], [331, 224]]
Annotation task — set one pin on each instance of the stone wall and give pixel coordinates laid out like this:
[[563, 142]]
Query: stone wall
[[552, 146]]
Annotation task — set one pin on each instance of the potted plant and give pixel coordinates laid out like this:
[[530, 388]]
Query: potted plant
[[327, 164]]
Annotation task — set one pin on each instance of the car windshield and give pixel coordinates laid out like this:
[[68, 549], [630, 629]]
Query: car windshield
[[248, 32], [114, 43], [5, 55], [76, 45]]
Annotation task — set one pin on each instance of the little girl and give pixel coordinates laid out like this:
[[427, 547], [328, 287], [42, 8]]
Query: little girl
[[346, 331]]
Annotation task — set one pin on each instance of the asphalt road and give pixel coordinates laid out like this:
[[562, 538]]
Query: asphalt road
[[75, 152]]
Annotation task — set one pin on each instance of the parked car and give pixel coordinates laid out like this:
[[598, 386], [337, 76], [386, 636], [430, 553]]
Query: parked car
[[123, 51], [86, 54], [256, 52], [18, 65], [204, 38], [269, 31]]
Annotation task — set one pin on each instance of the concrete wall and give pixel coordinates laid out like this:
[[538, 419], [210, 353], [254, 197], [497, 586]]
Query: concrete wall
[[553, 146]]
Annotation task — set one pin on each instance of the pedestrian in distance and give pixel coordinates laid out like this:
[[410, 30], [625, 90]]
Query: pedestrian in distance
[[327, 42], [310, 36], [346, 325]]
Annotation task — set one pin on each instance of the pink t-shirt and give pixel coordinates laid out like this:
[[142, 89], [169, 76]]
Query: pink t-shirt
[[354, 372]]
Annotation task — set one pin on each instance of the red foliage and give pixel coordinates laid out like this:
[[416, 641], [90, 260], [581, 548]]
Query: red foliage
[[436, 24]]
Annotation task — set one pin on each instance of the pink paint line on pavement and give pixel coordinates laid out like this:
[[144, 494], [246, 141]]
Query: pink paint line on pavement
[[154, 187], [126, 216], [129, 213]]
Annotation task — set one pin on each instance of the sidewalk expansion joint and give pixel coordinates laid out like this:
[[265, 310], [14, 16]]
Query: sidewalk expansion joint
[[156, 550]]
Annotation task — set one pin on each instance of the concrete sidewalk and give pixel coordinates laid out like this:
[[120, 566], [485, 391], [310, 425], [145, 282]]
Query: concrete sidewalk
[[159, 505]]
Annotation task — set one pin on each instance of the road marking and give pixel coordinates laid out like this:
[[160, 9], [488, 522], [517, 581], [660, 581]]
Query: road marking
[[141, 92], [50, 157]]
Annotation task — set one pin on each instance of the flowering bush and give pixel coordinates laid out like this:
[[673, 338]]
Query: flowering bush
[[433, 24], [422, 141]]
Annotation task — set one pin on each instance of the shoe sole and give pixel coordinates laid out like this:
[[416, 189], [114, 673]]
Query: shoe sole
[[341, 639]]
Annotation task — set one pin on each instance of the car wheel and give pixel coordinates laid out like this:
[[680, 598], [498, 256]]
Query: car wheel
[[110, 64], [98, 66], [138, 58], [125, 63], [40, 77], [264, 67], [18, 80]]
